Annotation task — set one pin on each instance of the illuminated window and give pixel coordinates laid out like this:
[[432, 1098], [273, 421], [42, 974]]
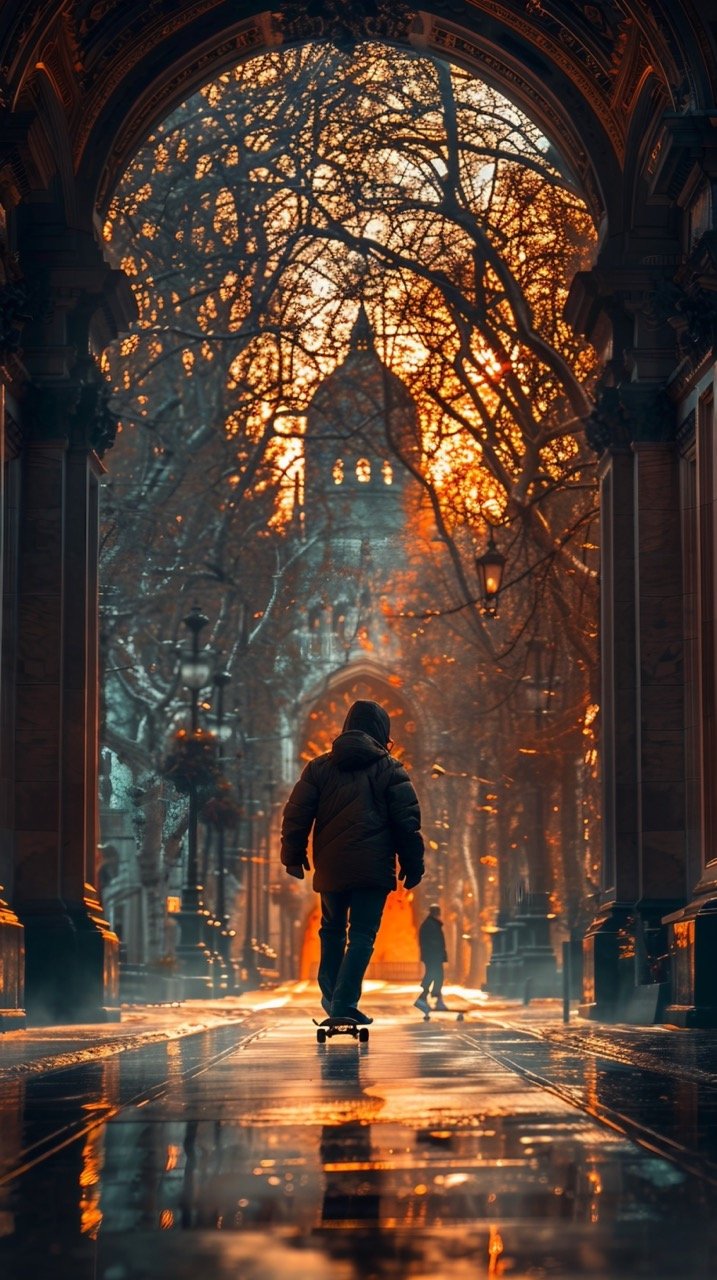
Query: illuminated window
[[315, 629], [338, 621], [338, 471], [363, 471], [387, 473]]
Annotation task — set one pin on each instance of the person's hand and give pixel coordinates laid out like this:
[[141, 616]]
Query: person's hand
[[297, 869], [410, 879]]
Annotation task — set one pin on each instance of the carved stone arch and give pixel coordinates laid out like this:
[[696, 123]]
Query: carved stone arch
[[384, 681], [588, 152], [108, 143], [574, 116], [641, 148], [51, 106], [681, 49]]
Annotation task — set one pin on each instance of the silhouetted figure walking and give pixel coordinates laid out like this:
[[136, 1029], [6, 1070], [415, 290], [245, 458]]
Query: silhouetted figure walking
[[364, 812], [432, 943]]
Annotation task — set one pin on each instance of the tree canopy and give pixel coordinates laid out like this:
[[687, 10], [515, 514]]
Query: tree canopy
[[258, 217]]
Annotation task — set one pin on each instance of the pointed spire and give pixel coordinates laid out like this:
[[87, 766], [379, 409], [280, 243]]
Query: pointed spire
[[362, 333]]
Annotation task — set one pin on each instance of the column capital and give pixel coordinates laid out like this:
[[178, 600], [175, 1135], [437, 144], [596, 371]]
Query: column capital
[[76, 411], [59, 298], [628, 412]]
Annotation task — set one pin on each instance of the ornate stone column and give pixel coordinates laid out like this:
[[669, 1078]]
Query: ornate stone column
[[608, 951], [684, 172], [72, 955], [642, 662]]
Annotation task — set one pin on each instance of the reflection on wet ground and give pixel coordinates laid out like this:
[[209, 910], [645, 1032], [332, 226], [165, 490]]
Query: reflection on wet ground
[[434, 1151]]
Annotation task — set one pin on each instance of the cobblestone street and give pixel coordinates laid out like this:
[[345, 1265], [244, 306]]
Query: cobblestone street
[[223, 1140]]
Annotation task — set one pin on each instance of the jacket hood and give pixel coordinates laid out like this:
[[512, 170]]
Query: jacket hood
[[355, 750], [370, 718]]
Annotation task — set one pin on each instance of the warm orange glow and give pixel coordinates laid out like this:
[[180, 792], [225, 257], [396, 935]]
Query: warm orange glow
[[476, 399]]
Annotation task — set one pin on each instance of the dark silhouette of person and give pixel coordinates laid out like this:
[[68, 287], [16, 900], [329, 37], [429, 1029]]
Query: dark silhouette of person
[[365, 814], [432, 943]]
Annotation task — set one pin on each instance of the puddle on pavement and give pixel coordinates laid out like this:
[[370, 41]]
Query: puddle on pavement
[[413, 1157]]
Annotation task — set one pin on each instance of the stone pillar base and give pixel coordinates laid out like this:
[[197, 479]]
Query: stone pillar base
[[693, 956], [536, 971], [72, 963], [608, 962], [623, 979], [12, 970], [196, 963], [502, 967]]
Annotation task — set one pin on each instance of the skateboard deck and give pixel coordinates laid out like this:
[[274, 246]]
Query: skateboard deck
[[340, 1027], [458, 1014]]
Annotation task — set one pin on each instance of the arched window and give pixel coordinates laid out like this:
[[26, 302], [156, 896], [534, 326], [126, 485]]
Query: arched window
[[339, 619], [338, 471], [387, 473], [316, 619], [363, 471]]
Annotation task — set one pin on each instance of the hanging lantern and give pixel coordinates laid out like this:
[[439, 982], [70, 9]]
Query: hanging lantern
[[490, 568]]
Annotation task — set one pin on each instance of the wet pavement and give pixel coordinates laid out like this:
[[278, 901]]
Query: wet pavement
[[241, 1148]]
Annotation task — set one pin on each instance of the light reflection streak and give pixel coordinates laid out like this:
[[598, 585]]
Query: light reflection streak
[[495, 1249]]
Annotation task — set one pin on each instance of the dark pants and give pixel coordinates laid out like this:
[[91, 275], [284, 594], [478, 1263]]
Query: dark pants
[[343, 963], [432, 977]]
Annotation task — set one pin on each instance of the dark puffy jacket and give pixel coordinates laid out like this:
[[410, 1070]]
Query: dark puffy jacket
[[365, 813], [432, 941]]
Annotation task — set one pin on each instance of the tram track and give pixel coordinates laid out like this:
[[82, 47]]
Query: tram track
[[51, 1143], [637, 1131]]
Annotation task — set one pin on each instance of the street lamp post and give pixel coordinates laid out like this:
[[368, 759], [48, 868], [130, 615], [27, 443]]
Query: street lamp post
[[224, 941], [249, 964], [194, 959], [539, 964], [269, 788]]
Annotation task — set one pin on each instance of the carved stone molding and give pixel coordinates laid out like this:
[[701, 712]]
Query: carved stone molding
[[688, 303], [14, 305], [628, 413], [76, 411], [685, 143], [345, 24], [94, 425]]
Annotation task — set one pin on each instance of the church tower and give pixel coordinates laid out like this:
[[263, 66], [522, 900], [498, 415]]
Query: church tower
[[360, 426]]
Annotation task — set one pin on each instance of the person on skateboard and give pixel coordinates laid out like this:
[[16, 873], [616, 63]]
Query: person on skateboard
[[432, 943], [365, 814]]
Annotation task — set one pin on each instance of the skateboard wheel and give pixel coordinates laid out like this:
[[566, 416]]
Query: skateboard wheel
[[321, 1036], [460, 1018], [426, 1017], [363, 1034]]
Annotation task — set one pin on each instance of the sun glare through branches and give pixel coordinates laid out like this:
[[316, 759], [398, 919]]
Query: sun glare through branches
[[298, 192]]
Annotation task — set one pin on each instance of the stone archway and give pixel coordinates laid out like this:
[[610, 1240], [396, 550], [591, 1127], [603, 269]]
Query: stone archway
[[624, 91]]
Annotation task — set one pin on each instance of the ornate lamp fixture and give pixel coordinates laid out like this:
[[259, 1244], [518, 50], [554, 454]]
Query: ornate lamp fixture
[[195, 960], [490, 568], [196, 663]]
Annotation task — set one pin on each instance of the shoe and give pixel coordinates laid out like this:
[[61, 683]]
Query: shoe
[[422, 1004], [326, 1006], [354, 1014], [441, 1005]]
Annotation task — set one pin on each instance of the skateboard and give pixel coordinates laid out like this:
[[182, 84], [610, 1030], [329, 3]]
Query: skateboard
[[339, 1027], [457, 1013]]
